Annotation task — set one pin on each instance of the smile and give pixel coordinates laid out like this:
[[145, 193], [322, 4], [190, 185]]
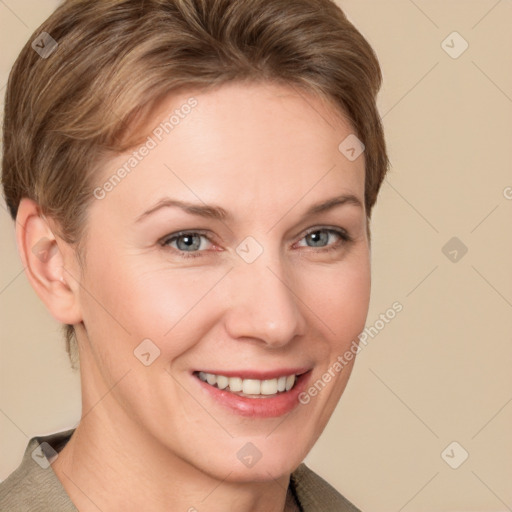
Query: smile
[[252, 388], [258, 394]]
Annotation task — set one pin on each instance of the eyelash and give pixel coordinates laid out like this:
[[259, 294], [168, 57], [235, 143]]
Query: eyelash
[[344, 236]]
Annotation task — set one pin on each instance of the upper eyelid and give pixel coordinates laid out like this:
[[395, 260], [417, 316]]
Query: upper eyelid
[[325, 228], [173, 236]]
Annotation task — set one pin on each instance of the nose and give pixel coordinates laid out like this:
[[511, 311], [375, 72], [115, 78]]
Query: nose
[[263, 305]]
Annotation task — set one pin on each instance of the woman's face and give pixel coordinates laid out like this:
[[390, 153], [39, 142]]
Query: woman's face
[[252, 281]]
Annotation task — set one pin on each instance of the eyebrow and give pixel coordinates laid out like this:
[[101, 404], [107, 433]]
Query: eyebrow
[[219, 213]]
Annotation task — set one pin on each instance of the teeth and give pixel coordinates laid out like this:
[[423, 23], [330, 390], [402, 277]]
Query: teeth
[[269, 387], [249, 386], [235, 384], [222, 382]]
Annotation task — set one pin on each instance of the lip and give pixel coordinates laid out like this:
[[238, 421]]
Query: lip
[[257, 374], [265, 407]]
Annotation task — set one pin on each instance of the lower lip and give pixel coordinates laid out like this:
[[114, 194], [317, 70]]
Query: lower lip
[[270, 406]]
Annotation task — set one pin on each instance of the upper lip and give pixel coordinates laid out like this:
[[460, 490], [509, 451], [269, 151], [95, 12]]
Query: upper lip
[[259, 374]]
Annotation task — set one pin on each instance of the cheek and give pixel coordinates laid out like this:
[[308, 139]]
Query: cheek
[[167, 306], [168, 298], [340, 298]]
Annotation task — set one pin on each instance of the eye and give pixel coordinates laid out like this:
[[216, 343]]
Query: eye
[[322, 238], [186, 243], [189, 244]]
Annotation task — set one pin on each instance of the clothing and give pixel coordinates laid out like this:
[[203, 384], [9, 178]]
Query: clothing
[[34, 486]]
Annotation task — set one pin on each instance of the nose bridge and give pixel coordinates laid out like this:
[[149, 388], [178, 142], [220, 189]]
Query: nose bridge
[[264, 306]]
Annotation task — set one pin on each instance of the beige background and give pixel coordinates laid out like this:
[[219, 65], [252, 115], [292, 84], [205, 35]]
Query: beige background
[[440, 370]]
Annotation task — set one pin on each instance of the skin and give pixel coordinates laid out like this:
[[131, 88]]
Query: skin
[[149, 437]]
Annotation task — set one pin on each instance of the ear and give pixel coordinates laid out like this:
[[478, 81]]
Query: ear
[[50, 263]]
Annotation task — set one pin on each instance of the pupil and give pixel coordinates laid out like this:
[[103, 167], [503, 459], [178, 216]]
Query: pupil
[[318, 236], [188, 241]]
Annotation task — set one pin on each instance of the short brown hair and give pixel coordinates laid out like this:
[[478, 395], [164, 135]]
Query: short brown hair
[[117, 58]]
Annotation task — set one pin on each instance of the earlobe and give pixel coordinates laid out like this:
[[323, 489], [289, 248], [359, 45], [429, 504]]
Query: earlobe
[[46, 259]]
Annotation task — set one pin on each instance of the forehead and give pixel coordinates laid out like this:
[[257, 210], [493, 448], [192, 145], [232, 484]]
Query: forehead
[[236, 143]]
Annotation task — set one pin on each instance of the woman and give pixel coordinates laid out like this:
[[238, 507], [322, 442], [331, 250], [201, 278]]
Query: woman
[[192, 183]]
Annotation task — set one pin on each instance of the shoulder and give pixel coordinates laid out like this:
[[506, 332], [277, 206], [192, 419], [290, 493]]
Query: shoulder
[[316, 495], [33, 485]]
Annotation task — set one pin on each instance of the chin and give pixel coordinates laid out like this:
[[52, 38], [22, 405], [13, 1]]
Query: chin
[[247, 463]]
